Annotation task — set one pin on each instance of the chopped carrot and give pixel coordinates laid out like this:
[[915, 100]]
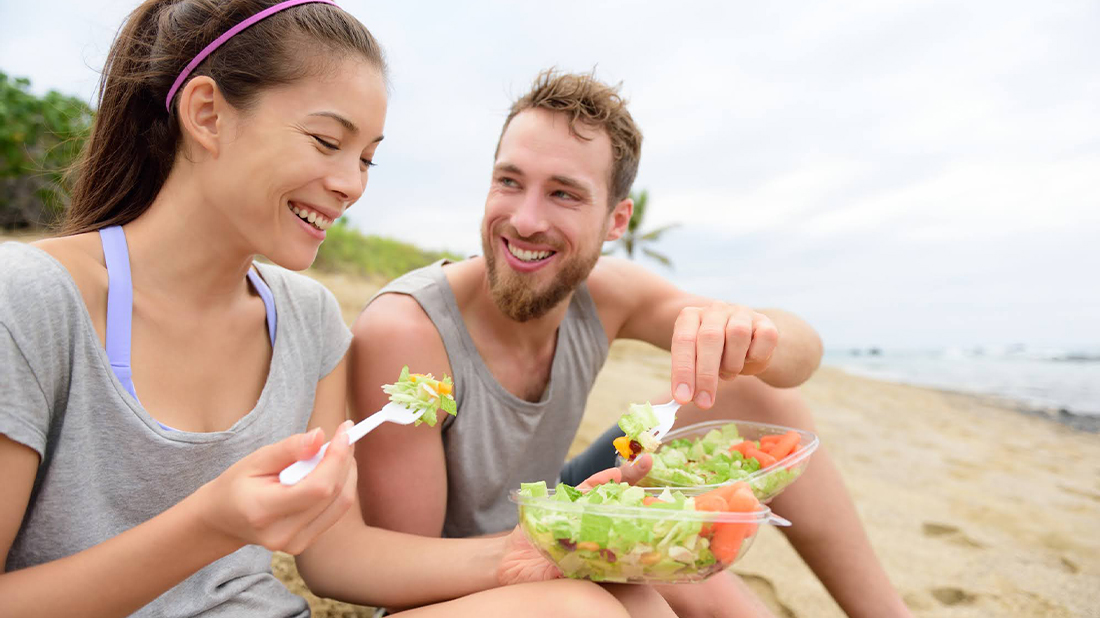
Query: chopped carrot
[[742, 447], [726, 543], [710, 502], [770, 439], [785, 446], [726, 491], [648, 500], [743, 501], [764, 458]]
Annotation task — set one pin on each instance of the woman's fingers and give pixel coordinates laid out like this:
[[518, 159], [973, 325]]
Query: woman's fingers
[[324, 516]]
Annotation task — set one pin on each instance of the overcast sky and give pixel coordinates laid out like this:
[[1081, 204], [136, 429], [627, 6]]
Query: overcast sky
[[899, 173]]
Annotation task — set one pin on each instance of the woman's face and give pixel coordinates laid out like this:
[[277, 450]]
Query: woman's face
[[289, 166]]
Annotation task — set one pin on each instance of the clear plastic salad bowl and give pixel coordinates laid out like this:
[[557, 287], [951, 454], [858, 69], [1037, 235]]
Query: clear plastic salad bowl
[[664, 543], [694, 440]]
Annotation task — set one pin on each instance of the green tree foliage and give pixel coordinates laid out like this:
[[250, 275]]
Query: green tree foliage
[[40, 138], [635, 239], [347, 250]]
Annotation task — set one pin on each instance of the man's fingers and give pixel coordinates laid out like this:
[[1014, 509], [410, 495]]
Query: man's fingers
[[684, 336], [765, 338], [738, 339], [709, 346], [610, 475], [636, 470]]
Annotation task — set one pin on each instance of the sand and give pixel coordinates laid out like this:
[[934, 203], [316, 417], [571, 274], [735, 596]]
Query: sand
[[975, 509]]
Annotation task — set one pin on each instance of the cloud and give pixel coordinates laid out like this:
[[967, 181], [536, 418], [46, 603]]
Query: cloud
[[897, 172]]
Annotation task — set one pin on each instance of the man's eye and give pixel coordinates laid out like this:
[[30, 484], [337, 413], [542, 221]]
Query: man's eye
[[507, 182], [562, 195], [326, 144]]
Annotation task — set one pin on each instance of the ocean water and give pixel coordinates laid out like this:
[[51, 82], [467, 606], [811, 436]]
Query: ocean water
[[1066, 381]]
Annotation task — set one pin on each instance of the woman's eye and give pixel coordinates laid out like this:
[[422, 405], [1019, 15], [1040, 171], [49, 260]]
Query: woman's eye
[[367, 162], [326, 144]]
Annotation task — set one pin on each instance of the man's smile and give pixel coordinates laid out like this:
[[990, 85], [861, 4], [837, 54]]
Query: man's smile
[[526, 259]]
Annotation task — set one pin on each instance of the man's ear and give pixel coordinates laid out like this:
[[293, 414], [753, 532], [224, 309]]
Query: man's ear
[[202, 111], [619, 218]]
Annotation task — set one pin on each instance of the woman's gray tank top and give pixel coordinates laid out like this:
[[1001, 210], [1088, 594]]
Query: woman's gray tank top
[[498, 440]]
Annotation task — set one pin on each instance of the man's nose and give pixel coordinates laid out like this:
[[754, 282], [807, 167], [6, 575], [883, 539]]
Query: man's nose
[[529, 218]]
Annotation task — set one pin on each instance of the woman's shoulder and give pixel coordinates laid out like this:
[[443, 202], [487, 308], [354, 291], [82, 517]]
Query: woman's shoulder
[[60, 266], [46, 272], [299, 293], [40, 304]]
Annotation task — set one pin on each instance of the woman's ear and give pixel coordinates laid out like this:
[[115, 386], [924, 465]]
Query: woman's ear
[[202, 115]]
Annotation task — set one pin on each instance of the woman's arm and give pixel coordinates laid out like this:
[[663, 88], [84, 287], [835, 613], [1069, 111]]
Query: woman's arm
[[359, 564], [114, 578], [245, 505]]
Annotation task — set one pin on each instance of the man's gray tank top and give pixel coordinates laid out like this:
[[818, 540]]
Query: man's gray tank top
[[498, 440]]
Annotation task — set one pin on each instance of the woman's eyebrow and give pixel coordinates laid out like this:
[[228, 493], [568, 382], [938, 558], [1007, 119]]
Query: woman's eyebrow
[[347, 124]]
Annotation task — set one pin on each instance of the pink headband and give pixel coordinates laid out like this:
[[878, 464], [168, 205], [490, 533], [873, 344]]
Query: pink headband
[[218, 42]]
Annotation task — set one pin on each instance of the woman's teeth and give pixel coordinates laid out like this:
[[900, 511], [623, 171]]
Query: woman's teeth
[[528, 256], [319, 221]]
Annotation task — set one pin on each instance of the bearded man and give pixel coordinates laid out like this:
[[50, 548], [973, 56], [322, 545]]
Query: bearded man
[[525, 328]]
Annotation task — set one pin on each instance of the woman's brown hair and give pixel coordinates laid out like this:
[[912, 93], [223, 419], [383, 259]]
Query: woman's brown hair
[[134, 139]]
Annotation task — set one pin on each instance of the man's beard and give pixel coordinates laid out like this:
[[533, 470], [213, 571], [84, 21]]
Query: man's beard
[[516, 297]]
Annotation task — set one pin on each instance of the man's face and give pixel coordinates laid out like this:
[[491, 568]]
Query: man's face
[[546, 215]]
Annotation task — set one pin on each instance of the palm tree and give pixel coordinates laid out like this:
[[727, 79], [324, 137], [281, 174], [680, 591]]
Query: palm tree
[[634, 238]]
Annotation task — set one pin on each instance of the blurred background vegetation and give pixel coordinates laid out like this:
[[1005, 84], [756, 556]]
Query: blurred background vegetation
[[41, 137]]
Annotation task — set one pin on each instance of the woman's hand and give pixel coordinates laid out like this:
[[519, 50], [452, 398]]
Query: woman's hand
[[249, 505], [523, 563]]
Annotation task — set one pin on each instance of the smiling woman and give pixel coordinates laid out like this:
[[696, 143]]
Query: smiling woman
[[156, 378]]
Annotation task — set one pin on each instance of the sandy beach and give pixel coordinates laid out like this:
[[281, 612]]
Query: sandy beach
[[975, 509]]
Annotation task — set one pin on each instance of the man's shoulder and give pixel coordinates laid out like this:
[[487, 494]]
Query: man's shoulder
[[615, 281], [395, 315]]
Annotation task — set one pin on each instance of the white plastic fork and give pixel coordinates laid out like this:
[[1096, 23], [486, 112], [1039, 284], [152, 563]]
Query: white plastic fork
[[392, 412], [666, 413]]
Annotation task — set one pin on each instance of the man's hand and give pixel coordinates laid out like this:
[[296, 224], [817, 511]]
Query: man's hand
[[718, 341], [627, 473]]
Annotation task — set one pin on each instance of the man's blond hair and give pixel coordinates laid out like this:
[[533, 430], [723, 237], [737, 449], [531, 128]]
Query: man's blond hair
[[595, 105]]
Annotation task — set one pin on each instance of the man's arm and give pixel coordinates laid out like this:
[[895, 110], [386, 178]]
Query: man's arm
[[402, 470], [637, 304]]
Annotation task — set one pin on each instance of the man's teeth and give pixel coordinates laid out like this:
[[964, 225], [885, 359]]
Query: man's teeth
[[319, 221], [528, 256]]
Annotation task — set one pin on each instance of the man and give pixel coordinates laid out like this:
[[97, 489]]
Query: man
[[525, 328]]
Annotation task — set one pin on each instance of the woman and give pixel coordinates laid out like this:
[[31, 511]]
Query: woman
[[155, 379]]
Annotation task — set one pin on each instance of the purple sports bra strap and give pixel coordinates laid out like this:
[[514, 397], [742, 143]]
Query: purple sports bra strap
[[269, 302], [120, 304]]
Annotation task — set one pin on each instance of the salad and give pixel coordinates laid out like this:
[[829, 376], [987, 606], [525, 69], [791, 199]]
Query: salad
[[715, 453], [637, 423], [421, 391], [617, 532]]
